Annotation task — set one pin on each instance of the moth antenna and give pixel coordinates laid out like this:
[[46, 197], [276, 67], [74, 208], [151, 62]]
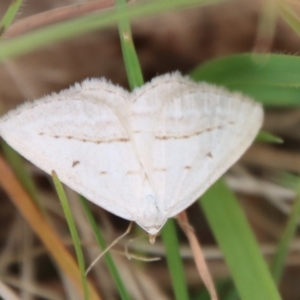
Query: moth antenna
[[108, 248], [138, 257]]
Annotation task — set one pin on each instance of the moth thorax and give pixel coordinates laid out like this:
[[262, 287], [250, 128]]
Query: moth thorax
[[152, 217]]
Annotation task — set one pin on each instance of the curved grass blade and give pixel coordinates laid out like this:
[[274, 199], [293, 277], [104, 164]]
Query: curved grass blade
[[68, 29], [75, 237], [225, 289], [135, 78], [264, 136], [281, 253], [41, 227], [10, 15], [266, 27], [174, 260], [107, 256], [234, 236], [17, 165], [272, 79], [133, 69], [289, 16]]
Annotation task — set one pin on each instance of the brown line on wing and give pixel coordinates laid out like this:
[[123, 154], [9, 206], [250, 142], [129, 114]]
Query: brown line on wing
[[86, 140]]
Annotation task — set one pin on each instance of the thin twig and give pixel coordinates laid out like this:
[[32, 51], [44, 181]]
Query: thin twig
[[55, 16], [198, 255]]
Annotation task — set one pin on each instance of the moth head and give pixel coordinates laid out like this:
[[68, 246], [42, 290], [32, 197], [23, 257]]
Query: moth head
[[152, 217], [153, 231]]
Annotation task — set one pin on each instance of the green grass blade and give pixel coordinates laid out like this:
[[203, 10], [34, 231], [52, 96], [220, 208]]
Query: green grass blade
[[73, 230], [135, 78], [289, 16], [10, 15], [225, 288], [272, 79], [234, 236], [132, 65], [72, 28], [17, 164], [108, 258], [264, 136], [266, 26], [281, 253], [278, 262], [174, 260]]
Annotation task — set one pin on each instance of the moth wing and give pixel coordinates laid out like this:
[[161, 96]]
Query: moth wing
[[80, 134], [195, 132]]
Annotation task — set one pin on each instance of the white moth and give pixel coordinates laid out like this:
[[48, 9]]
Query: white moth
[[144, 156]]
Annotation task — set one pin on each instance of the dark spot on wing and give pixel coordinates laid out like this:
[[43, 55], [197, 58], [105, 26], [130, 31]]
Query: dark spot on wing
[[75, 163], [209, 154]]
